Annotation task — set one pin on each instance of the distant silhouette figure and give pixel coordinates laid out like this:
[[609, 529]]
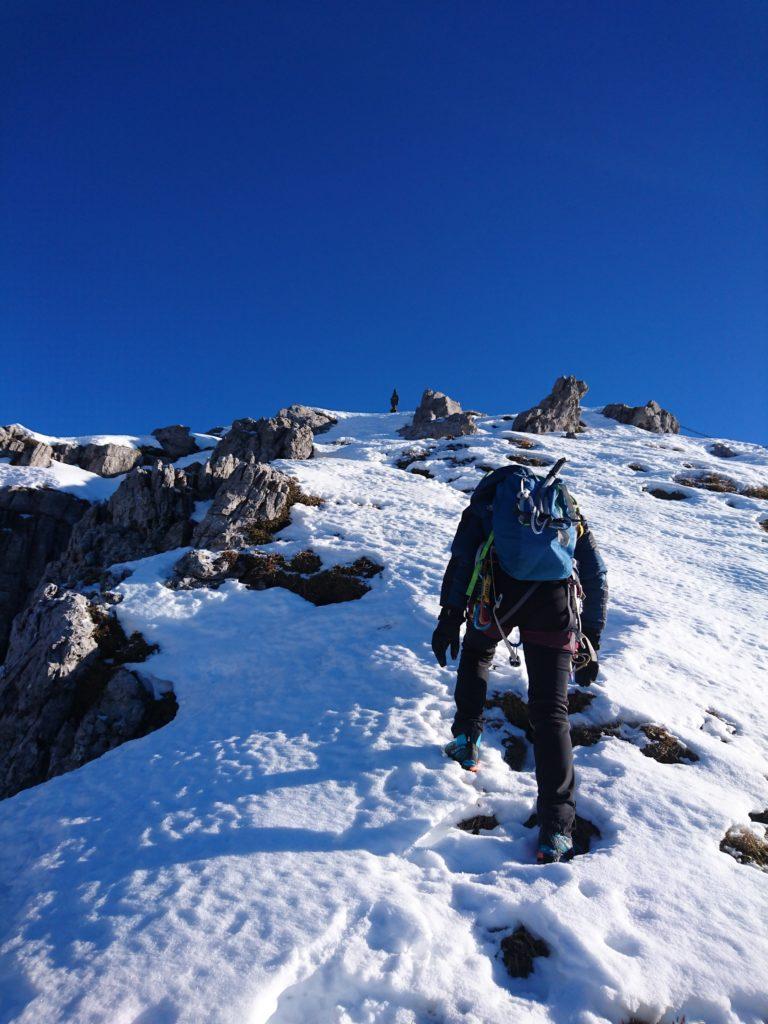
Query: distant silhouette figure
[[394, 400]]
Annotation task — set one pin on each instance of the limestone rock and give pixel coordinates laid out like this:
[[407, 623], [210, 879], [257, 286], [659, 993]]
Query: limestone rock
[[436, 416], [723, 451], [647, 417], [560, 410], [303, 574], [18, 445], [252, 502], [254, 441], [317, 420], [176, 441], [52, 645], [201, 568], [64, 697], [35, 527], [149, 512], [103, 459], [116, 717]]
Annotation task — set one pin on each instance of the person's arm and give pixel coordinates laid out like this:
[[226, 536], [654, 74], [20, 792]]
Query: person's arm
[[469, 536], [593, 578]]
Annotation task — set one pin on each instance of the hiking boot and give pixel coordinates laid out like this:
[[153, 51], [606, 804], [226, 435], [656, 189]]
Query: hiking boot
[[464, 750], [554, 845]]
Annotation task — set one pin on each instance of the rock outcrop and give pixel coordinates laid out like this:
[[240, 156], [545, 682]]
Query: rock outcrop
[[647, 417], [22, 449], [35, 527], [263, 440], [303, 574], [251, 504], [103, 459], [317, 420], [560, 410], [149, 512], [723, 451], [65, 697], [437, 416], [176, 441]]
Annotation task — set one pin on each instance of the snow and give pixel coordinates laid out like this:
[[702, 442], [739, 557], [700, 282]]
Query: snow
[[126, 440], [62, 477], [285, 851]]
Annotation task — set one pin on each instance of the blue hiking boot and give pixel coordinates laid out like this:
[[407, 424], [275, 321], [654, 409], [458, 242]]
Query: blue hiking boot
[[464, 750], [554, 846]]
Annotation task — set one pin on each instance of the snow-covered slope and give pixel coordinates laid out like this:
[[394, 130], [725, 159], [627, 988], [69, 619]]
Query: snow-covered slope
[[284, 852]]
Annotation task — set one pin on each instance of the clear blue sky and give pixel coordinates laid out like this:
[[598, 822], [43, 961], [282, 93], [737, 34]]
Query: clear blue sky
[[210, 209]]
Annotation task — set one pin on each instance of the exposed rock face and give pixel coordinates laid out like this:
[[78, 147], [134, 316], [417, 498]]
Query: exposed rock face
[[176, 441], [18, 445], [647, 417], [438, 415], [35, 527], [519, 950], [263, 440], [708, 482], [201, 568], [560, 410], [64, 700], [723, 451], [254, 500], [149, 512], [103, 459], [317, 420], [303, 574]]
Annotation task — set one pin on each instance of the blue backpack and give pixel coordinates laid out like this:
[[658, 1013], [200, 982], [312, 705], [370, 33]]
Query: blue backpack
[[534, 525]]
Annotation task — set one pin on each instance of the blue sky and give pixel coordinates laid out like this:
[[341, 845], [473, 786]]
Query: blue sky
[[213, 209]]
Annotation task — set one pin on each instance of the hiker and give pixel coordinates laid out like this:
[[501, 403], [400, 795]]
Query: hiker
[[524, 556], [394, 400]]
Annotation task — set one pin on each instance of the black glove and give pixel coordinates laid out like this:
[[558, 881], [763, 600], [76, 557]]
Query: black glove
[[447, 634], [588, 674]]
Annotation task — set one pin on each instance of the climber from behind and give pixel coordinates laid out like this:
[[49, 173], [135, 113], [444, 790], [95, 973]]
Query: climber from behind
[[523, 556], [394, 400]]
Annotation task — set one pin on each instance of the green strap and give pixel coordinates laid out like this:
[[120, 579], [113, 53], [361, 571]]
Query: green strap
[[478, 564]]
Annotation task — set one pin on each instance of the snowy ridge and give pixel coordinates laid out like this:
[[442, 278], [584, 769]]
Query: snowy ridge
[[285, 850]]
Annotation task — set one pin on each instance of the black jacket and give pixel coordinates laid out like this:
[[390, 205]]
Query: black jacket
[[474, 527]]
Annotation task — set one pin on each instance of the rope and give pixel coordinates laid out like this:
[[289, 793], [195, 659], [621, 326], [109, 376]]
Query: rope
[[692, 431]]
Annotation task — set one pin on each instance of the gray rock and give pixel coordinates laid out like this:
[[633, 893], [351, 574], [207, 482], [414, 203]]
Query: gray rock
[[252, 502], [723, 451], [53, 643], [560, 410], [117, 716], [254, 441], [436, 416], [35, 527], [18, 445], [647, 417], [64, 700], [201, 568], [317, 420], [176, 441], [103, 459], [149, 512]]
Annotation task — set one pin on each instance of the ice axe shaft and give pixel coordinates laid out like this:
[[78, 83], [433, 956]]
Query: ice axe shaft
[[548, 479]]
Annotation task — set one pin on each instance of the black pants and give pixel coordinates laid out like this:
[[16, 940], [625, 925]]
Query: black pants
[[545, 612]]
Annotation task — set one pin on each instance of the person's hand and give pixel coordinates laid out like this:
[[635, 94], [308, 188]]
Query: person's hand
[[446, 634], [588, 674]]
